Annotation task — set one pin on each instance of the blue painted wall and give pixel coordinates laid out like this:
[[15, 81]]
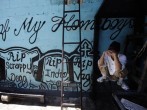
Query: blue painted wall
[[31, 42], [114, 29]]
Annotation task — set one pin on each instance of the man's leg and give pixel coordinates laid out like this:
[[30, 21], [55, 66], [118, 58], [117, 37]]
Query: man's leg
[[104, 73], [121, 75]]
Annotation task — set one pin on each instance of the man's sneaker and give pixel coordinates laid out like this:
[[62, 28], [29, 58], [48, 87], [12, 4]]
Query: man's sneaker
[[119, 82], [101, 79], [123, 85]]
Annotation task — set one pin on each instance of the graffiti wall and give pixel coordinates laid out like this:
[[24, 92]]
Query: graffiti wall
[[32, 69], [31, 44], [114, 29]]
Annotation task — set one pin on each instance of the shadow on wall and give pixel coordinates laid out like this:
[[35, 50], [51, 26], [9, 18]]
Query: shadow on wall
[[112, 9]]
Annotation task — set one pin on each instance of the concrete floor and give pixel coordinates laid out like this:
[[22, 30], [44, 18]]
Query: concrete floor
[[99, 99], [102, 96], [53, 103]]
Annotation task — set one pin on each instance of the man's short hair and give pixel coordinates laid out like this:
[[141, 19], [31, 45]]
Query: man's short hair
[[114, 46]]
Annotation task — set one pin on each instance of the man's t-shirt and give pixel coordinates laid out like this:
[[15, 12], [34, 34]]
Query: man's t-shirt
[[110, 63]]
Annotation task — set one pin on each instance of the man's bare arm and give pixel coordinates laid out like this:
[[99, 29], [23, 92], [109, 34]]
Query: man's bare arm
[[101, 60]]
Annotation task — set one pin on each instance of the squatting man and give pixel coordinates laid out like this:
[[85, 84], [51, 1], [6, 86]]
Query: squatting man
[[112, 65]]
